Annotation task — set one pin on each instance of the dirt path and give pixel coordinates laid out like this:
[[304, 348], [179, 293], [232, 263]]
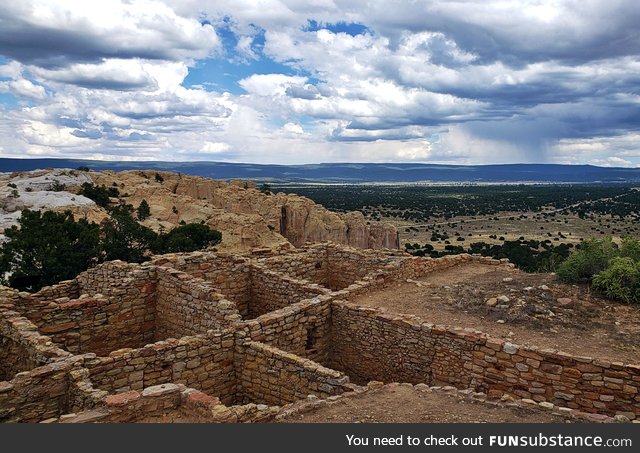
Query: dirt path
[[535, 310], [405, 404]]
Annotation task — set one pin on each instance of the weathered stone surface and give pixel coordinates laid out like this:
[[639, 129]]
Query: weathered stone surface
[[260, 331]]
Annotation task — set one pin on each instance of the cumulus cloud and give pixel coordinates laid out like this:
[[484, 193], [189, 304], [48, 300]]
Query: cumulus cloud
[[23, 88], [612, 161], [294, 81], [54, 34], [271, 84]]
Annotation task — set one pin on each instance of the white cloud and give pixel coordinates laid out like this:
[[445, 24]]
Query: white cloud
[[214, 147], [110, 74], [53, 33], [471, 82], [23, 88], [270, 84], [293, 128], [12, 70], [244, 48], [612, 161]]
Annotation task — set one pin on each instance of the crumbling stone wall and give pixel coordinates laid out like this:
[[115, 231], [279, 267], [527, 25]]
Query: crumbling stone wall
[[35, 395], [303, 328], [117, 310], [169, 403], [309, 263], [48, 392], [371, 344], [272, 376], [271, 291], [333, 266], [67, 288], [204, 362], [32, 305], [120, 314], [22, 348], [14, 358], [16, 354], [229, 274], [189, 306]]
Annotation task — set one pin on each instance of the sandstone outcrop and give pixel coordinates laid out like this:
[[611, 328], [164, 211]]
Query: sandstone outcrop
[[33, 190], [247, 217]]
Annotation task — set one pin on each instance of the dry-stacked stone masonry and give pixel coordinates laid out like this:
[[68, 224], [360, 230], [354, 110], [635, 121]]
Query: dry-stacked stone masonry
[[226, 338]]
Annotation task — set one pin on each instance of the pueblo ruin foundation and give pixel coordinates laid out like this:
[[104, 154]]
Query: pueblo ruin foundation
[[214, 337]]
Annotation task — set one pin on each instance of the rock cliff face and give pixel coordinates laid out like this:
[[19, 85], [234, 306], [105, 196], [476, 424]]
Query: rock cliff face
[[33, 190], [246, 217]]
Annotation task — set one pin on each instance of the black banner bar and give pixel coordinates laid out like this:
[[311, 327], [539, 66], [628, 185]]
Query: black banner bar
[[325, 438]]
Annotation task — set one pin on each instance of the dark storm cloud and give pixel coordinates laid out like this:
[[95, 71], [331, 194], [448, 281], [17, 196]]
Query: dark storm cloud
[[92, 134], [136, 136], [308, 92], [61, 40], [580, 31]]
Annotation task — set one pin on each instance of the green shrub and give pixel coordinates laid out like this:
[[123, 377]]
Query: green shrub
[[125, 239], [621, 280], [45, 248], [630, 248], [143, 211], [187, 238], [99, 194], [592, 257]]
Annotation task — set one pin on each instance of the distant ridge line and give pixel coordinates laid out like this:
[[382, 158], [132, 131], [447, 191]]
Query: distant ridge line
[[354, 172]]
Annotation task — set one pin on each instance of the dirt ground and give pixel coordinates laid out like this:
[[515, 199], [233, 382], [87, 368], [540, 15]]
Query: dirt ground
[[526, 309], [406, 404]]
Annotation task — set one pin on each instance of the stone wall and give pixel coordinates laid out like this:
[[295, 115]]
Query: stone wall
[[66, 288], [272, 376], [272, 291], [229, 274], [369, 346], [14, 358], [399, 269], [189, 306], [309, 263], [22, 348], [204, 362], [120, 314], [168, 403], [35, 395], [256, 289], [332, 266], [346, 265], [112, 277], [303, 328], [372, 345], [117, 310]]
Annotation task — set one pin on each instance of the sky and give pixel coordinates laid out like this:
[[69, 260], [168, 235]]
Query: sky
[[292, 82]]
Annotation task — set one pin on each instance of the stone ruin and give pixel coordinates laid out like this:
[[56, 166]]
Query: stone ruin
[[213, 337]]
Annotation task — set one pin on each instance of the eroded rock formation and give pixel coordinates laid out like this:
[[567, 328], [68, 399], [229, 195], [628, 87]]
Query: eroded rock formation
[[246, 217]]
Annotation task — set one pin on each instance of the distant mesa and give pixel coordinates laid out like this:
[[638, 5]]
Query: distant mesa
[[355, 172]]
